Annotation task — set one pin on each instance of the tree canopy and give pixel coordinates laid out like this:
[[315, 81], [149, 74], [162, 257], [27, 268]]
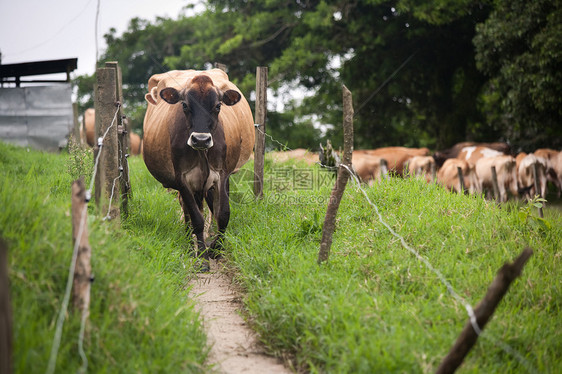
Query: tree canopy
[[422, 73]]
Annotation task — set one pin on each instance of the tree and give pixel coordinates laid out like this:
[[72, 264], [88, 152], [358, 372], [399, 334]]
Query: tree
[[519, 47]]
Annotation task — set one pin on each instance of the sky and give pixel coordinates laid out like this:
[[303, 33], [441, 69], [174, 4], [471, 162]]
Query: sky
[[38, 30]]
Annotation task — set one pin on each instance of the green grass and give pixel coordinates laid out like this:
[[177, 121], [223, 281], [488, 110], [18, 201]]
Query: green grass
[[140, 317], [374, 307]]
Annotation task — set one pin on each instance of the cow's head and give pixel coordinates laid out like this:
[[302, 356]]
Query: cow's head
[[201, 105]]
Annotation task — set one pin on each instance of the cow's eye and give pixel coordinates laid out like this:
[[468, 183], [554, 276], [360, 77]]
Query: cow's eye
[[185, 107], [218, 107]]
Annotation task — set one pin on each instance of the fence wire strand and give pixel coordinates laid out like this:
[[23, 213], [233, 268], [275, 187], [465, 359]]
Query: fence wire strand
[[64, 307], [470, 311], [66, 299]]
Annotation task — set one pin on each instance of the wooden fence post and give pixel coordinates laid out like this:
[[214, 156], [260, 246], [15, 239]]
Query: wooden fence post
[[461, 179], [123, 140], [83, 269], [483, 312], [537, 186], [341, 180], [384, 168], [261, 115], [5, 312], [433, 172], [495, 184], [106, 105]]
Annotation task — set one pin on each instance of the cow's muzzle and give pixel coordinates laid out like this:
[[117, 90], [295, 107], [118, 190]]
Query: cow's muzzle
[[200, 141]]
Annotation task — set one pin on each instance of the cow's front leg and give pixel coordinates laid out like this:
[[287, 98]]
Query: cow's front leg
[[191, 208], [223, 213]]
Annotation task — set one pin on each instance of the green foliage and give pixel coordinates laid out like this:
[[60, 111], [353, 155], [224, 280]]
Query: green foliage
[[140, 319], [527, 217], [411, 65], [80, 159], [374, 307], [519, 47]]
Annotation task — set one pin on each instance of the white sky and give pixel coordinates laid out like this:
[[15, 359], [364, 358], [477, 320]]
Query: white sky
[[37, 30]]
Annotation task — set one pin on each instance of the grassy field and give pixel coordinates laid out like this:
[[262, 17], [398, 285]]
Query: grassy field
[[141, 320], [373, 307]]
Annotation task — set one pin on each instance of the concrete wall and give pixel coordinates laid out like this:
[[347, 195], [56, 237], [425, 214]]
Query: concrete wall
[[40, 117]]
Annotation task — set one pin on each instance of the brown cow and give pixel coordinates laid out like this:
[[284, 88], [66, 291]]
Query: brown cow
[[367, 167], [396, 157], [526, 175], [135, 140], [90, 125], [453, 152], [198, 130], [422, 166], [448, 176], [505, 171], [474, 153]]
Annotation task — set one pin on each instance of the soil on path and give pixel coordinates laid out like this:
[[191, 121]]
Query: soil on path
[[234, 346]]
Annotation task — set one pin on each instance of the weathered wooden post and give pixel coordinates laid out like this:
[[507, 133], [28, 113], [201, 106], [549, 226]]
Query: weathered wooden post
[[106, 105], [384, 169], [433, 172], [261, 115], [483, 312], [5, 313], [83, 269], [461, 179], [341, 180], [495, 184], [537, 186], [123, 140]]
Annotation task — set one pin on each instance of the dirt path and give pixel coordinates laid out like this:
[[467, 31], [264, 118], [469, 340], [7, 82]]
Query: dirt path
[[234, 347]]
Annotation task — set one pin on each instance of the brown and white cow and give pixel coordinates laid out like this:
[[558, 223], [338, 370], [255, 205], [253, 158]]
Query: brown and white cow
[[526, 175], [448, 176], [396, 157], [422, 166], [453, 152], [506, 174], [474, 153], [198, 130], [553, 166]]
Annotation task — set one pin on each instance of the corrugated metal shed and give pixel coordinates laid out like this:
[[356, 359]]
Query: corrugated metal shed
[[39, 117], [36, 116]]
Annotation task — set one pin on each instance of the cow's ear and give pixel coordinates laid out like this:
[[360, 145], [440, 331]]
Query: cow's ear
[[231, 97], [170, 95], [151, 96]]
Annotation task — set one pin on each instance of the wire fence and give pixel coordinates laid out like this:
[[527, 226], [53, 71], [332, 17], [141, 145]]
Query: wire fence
[[469, 309], [64, 307]]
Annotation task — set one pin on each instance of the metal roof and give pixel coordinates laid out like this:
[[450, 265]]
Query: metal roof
[[16, 71]]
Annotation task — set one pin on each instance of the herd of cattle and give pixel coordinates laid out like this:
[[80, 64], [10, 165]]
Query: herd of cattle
[[515, 175]]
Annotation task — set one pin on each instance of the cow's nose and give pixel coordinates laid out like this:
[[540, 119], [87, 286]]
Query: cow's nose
[[200, 140]]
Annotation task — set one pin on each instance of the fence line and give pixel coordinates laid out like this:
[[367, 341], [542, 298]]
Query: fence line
[[62, 313], [66, 299], [470, 311]]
